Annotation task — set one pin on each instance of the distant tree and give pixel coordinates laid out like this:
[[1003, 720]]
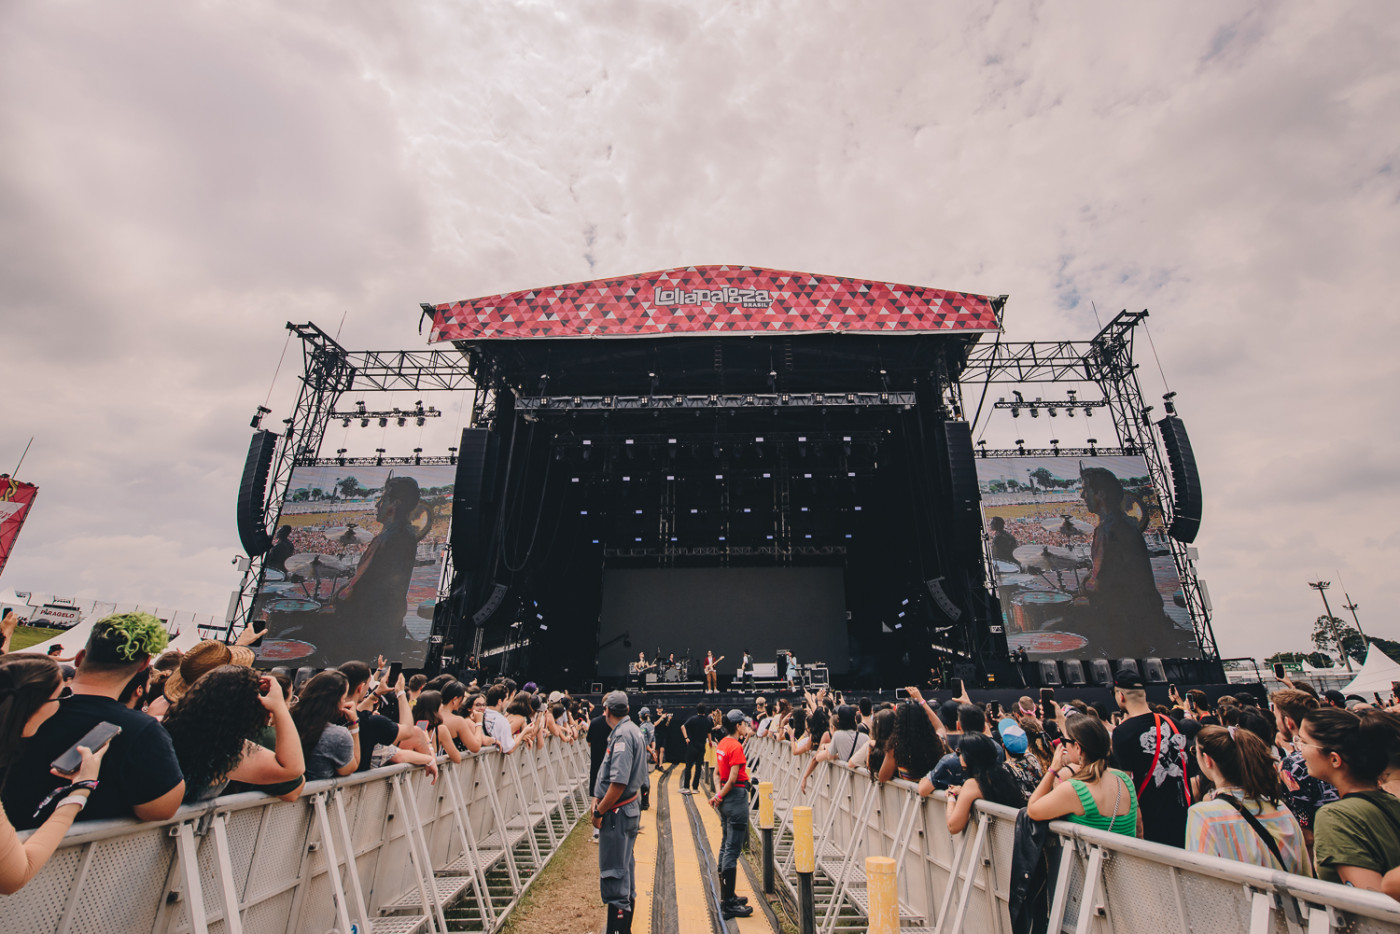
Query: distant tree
[[1043, 478], [1329, 633], [348, 487]]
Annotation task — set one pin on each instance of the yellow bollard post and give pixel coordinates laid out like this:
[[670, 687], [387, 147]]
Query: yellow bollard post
[[805, 859], [883, 888], [765, 829]]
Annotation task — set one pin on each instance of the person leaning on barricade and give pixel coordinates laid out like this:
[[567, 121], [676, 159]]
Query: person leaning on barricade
[[140, 775], [30, 685], [221, 708], [617, 812]]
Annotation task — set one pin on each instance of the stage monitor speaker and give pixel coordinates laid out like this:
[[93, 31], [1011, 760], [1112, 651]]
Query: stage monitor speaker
[[1049, 673], [469, 492], [1073, 670], [962, 477], [1153, 671], [493, 602], [1186, 480], [1126, 664], [1100, 672], [252, 494]]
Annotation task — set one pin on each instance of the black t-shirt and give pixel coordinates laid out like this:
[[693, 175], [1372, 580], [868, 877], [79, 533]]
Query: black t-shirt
[[1163, 798], [140, 764], [374, 731], [697, 728]]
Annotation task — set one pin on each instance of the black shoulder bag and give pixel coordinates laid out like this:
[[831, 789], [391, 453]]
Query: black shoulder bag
[[1269, 840]]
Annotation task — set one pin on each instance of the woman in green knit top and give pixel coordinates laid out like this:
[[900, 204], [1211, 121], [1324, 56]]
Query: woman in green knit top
[[1080, 787]]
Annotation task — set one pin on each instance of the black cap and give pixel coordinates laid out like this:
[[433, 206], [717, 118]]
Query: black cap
[[1128, 680], [1335, 696]]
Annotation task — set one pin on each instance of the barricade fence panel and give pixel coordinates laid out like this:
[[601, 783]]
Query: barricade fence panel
[[962, 884], [386, 850]]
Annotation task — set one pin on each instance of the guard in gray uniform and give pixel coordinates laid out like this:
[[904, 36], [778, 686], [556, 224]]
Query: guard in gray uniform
[[617, 812]]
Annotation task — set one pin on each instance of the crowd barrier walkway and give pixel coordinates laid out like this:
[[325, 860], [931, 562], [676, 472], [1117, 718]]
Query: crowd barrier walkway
[[384, 851], [1106, 882]]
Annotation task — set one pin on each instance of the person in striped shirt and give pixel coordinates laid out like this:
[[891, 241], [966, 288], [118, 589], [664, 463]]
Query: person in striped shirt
[[1245, 818]]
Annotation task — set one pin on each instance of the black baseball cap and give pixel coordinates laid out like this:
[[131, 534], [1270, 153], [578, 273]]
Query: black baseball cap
[[1129, 680], [1335, 696]]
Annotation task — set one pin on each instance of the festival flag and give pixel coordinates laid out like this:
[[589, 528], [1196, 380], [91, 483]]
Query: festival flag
[[15, 499]]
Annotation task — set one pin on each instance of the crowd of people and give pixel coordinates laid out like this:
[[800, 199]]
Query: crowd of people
[[148, 730], [1303, 782]]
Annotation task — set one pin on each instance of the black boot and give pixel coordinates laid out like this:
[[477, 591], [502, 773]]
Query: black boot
[[731, 905], [619, 920]]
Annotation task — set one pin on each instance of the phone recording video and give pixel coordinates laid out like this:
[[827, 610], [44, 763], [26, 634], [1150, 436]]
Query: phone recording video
[[94, 739]]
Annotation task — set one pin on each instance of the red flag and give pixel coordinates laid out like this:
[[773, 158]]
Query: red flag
[[15, 499]]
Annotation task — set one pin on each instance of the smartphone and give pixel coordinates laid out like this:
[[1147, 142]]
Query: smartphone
[[259, 625], [1171, 690], [395, 669], [94, 739], [901, 693], [995, 708], [1047, 697], [1278, 670], [422, 725], [955, 685]]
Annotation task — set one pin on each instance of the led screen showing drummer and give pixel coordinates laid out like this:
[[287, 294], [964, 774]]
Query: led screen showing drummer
[[1081, 557], [354, 565]]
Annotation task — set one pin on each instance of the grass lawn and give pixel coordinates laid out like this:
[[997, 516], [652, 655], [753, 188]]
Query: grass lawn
[[25, 636]]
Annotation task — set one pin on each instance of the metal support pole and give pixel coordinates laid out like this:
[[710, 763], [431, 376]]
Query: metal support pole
[[805, 857], [765, 828], [883, 888]]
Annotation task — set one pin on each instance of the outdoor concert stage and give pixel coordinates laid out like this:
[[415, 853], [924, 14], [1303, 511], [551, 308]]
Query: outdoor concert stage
[[727, 459]]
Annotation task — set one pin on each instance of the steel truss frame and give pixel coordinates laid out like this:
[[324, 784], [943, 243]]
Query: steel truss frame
[[329, 371], [1106, 361]]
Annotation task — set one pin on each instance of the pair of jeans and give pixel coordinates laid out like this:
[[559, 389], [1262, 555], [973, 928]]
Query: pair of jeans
[[694, 765], [734, 813]]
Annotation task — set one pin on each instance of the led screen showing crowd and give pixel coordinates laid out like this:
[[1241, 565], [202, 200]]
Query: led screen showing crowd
[[1081, 558], [354, 564]]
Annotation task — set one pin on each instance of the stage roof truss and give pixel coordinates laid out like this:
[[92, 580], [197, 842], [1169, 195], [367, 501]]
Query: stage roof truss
[[715, 401]]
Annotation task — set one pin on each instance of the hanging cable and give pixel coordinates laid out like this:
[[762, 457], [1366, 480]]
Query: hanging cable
[[1151, 343], [278, 371]]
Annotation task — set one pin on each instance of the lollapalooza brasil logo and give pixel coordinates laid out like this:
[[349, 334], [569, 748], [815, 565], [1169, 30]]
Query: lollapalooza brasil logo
[[729, 295]]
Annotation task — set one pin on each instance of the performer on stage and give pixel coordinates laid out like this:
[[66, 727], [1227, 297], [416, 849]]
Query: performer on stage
[[639, 670], [748, 669], [1003, 542], [711, 675]]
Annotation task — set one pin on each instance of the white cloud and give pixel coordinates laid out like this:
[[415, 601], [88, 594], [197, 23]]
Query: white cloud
[[179, 181]]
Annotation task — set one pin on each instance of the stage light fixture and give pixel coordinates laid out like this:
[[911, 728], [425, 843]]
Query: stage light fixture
[[901, 613], [452, 453], [364, 423], [1169, 403], [583, 512], [1055, 446], [1035, 413], [694, 512], [670, 476], [768, 476], [573, 479], [639, 512], [857, 509], [402, 421], [721, 538], [384, 423], [626, 479], [848, 534], [379, 460], [340, 456], [1092, 442], [418, 456], [904, 602], [638, 539], [719, 476], [769, 537], [345, 423], [1054, 411], [1020, 446]]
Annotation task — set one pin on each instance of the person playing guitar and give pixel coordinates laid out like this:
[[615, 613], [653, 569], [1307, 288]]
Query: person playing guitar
[[711, 675]]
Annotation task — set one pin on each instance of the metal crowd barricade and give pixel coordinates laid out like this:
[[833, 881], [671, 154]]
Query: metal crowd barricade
[[384, 851], [1106, 882]]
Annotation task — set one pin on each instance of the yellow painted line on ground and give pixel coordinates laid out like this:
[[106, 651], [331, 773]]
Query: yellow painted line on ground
[[756, 923], [691, 914], [644, 852]]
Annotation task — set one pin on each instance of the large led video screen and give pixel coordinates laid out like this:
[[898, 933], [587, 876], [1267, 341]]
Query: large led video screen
[[1081, 559], [686, 612], [354, 565]]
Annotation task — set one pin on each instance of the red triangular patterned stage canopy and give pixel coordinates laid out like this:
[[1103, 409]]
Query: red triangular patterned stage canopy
[[708, 299]]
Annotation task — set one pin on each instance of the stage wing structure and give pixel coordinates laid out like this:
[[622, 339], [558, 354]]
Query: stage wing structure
[[710, 299]]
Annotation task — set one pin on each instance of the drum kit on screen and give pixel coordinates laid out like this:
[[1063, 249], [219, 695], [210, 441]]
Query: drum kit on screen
[[1039, 588], [310, 582]]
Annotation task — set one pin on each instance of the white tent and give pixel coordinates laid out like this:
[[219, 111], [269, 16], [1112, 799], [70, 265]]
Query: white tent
[[1375, 675]]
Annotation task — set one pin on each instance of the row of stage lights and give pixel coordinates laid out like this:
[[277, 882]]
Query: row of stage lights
[[418, 413], [1052, 407]]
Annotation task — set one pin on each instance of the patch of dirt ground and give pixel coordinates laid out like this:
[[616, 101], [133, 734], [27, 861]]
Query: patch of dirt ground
[[564, 899]]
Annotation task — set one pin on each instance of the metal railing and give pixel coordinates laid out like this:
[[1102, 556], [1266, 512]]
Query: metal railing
[[385, 851], [1106, 882]]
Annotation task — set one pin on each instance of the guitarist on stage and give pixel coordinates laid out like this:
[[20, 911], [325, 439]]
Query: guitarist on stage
[[711, 673]]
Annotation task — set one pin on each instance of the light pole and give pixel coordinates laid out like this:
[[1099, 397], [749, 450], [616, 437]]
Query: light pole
[[1352, 606], [1321, 587]]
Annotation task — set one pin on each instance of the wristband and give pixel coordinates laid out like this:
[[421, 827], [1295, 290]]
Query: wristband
[[65, 791], [354, 730], [79, 800]]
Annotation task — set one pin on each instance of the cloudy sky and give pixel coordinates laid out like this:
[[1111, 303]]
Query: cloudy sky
[[178, 180]]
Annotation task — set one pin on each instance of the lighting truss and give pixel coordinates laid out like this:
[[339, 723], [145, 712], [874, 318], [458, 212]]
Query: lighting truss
[[904, 400], [400, 416]]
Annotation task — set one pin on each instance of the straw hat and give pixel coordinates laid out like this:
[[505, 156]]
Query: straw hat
[[201, 659]]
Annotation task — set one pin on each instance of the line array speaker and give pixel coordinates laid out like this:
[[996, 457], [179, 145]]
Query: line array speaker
[[473, 481], [252, 493], [962, 476], [1186, 480]]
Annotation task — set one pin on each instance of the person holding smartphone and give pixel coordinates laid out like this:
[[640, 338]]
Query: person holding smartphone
[[30, 685], [140, 775]]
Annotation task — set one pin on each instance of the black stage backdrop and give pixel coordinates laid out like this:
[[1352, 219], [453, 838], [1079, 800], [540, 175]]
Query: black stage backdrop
[[725, 610]]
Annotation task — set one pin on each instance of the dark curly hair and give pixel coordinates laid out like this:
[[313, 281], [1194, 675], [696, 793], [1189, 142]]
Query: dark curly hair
[[914, 743], [317, 706], [210, 723]]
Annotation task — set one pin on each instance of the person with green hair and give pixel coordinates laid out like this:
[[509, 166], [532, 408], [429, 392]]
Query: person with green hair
[[140, 775]]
